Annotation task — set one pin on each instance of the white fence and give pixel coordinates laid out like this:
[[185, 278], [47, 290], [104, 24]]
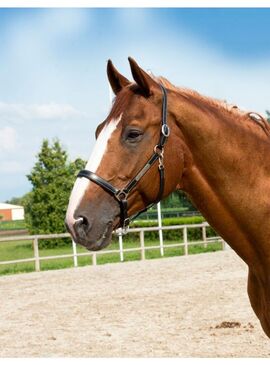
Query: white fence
[[121, 250]]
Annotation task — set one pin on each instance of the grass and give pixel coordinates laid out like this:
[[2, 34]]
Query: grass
[[23, 249], [16, 250]]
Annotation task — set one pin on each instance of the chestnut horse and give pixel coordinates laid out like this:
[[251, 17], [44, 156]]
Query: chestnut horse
[[215, 153]]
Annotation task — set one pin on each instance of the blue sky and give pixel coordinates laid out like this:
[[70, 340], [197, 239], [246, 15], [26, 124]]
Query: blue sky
[[53, 70]]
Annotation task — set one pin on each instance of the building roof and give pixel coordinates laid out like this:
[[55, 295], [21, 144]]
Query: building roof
[[10, 206]]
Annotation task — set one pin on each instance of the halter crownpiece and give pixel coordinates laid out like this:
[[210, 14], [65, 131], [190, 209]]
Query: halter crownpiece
[[121, 195]]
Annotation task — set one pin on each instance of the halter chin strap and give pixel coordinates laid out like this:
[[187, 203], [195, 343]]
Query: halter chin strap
[[121, 195]]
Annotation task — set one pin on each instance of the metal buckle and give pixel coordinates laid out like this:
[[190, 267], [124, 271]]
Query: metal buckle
[[160, 151], [160, 165], [125, 225], [165, 130], [123, 230], [121, 195]]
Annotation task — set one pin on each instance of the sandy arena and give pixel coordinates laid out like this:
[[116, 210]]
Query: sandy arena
[[194, 306]]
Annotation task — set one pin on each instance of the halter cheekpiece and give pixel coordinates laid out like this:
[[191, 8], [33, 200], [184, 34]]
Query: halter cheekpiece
[[121, 195]]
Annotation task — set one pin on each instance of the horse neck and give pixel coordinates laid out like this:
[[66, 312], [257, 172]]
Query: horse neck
[[224, 161]]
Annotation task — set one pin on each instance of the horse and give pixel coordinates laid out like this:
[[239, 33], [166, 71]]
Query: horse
[[158, 138]]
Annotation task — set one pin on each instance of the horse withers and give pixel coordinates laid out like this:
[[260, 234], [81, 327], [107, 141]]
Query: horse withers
[[158, 138]]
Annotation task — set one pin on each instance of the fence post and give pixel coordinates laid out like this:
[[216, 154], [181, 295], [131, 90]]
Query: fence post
[[94, 258], [75, 258], [204, 236], [36, 253], [142, 245], [120, 238], [185, 240], [225, 245], [160, 232]]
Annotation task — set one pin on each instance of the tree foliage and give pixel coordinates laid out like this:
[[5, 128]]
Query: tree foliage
[[52, 178], [178, 199], [15, 201]]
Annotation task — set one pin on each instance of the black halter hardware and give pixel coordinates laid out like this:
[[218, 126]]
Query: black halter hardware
[[121, 195]]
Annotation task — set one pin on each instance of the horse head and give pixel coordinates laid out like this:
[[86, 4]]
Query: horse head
[[125, 172]]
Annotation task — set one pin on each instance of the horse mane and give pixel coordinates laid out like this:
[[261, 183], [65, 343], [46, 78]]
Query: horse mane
[[198, 98], [216, 104], [203, 102]]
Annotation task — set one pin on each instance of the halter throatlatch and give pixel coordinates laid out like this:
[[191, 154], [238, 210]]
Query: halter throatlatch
[[121, 195]]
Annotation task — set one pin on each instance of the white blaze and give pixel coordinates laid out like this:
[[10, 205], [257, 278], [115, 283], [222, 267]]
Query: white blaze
[[82, 184]]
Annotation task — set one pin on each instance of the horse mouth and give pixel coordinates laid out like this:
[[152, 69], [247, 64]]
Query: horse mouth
[[100, 243]]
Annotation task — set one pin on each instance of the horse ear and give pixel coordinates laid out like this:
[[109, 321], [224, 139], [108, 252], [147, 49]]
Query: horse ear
[[142, 78], [116, 80]]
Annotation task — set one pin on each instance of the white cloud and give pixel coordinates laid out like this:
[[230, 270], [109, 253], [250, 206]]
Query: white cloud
[[45, 30], [9, 111], [8, 139], [193, 63]]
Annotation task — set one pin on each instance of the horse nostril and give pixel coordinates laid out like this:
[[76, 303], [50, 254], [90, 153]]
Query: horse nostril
[[81, 225]]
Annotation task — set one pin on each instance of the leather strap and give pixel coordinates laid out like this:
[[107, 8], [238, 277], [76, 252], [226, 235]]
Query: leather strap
[[98, 180]]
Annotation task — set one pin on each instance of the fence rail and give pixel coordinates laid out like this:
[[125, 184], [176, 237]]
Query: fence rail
[[121, 250]]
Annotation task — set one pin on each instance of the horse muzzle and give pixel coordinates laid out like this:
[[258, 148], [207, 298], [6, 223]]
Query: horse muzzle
[[84, 233], [91, 225]]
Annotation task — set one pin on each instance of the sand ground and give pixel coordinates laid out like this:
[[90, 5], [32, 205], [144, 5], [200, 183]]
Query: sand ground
[[195, 306]]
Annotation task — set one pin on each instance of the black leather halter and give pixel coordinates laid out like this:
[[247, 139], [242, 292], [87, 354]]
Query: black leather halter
[[121, 195]]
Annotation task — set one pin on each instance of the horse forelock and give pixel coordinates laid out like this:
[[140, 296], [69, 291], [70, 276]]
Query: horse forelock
[[120, 104]]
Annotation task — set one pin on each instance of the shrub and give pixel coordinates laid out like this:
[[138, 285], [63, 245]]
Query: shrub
[[172, 235]]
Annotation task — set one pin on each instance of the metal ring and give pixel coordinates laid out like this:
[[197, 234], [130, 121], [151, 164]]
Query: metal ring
[[165, 130], [158, 150], [161, 165]]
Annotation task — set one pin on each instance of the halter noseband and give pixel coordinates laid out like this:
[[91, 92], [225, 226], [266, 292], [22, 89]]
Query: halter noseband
[[121, 195]]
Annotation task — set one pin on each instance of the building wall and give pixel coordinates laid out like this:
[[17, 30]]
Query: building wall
[[6, 214], [17, 214]]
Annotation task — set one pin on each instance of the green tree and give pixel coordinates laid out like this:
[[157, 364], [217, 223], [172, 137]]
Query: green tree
[[52, 178], [178, 199], [15, 201]]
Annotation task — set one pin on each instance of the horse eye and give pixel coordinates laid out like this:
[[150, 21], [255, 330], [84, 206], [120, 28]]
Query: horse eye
[[134, 135]]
